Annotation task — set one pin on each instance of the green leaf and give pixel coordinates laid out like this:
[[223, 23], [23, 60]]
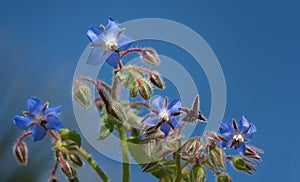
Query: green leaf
[[66, 134], [107, 125], [137, 150], [104, 132]]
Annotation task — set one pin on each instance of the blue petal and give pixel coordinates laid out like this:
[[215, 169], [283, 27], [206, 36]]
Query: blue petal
[[173, 106], [151, 121], [175, 123], [226, 129], [251, 132], [158, 103], [112, 28], [53, 111], [112, 23], [23, 122], [124, 42], [38, 132], [35, 105], [242, 147], [97, 56], [93, 32], [222, 144], [165, 128], [53, 123], [243, 124], [113, 59]]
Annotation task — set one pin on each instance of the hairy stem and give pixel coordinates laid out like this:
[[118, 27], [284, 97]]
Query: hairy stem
[[178, 166], [125, 155], [92, 163], [122, 133]]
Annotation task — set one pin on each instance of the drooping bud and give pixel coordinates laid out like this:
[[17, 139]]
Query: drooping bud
[[241, 164], [150, 56], [116, 111], [198, 174], [76, 159], [156, 80], [20, 152], [67, 169], [145, 89], [223, 178], [82, 94], [133, 90]]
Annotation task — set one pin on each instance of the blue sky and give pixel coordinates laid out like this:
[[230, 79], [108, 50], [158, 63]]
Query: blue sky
[[256, 42]]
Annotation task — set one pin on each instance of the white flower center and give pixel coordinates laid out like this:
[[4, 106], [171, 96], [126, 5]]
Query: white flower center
[[39, 118], [164, 115], [111, 43], [239, 137]]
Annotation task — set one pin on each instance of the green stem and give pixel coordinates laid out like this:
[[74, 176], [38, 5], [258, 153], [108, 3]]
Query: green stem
[[122, 133], [125, 155], [177, 160], [93, 164]]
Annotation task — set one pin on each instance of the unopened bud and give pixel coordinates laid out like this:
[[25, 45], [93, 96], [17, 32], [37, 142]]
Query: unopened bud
[[223, 178], [76, 159], [197, 174], [241, 164], [145, 89], [156, 80], [20, 152], [116, 111], [134, 90], [82, 94], [67, 169], [150, 56], [217, 157]]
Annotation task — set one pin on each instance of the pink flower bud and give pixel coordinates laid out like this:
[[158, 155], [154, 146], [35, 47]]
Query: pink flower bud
[[150, 57], [156, 80], [67, 169], [20, 152]]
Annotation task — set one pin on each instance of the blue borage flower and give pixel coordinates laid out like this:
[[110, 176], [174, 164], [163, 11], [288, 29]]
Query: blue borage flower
[[38, 118], [163, 114], [107, 43], [237, 135]]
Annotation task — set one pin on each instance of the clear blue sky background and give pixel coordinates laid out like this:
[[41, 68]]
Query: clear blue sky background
[[256, 42]]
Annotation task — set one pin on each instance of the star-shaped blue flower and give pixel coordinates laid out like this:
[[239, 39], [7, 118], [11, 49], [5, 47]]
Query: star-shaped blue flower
[[163, 115], [107, 43], [237, 135], [39, 118]]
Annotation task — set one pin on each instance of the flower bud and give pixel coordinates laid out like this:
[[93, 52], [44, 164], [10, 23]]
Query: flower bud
[[145, 89], [20, 152], [82, 94], [240, 164], [150, 57], [217, 157], [223, 178], [116, 111], [156, 80], [76, 159], [133, 90], [197, 174], [67, 169]]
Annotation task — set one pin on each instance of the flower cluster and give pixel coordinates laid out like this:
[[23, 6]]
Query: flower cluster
[[154, 140]]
